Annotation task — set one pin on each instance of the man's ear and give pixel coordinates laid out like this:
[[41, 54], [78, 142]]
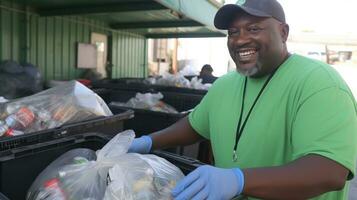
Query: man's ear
[[284, 32]]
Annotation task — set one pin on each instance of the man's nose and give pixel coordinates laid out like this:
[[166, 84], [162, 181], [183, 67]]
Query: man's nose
[[242, 39]]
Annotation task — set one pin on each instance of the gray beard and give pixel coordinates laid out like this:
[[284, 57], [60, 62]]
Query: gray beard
[[249, 72]]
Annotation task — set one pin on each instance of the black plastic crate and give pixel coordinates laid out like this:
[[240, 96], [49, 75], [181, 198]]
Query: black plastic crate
[[180, 101], [3, 197], [110, 125], [19, 167], [186, 164], [127, 80], [147, 121], [181, 90], [138, 85], [131, 84]]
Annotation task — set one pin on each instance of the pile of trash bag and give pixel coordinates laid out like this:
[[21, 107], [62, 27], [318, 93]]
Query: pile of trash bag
[[19, 80], [69, 102], [196, 83], [178, 80], [3, 100], [148, 101], [109, 174]]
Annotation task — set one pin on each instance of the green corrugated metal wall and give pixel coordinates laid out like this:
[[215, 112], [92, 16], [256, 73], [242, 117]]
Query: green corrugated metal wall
[[12, 25], [50, 43], [129, 50]]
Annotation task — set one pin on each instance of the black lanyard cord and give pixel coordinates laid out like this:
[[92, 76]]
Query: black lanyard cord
[[240, 128], [241, 114]]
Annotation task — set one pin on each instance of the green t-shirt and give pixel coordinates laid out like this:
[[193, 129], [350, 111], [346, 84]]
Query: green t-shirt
[[305, 109]]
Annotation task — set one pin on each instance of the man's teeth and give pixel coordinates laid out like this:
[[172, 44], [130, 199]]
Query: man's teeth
[[246, 53]]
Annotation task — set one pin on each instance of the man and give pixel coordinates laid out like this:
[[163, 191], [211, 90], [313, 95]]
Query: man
[[206, 74], [284, 127]]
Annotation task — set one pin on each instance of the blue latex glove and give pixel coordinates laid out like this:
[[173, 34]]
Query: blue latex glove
[[141, 145], [207, 182]]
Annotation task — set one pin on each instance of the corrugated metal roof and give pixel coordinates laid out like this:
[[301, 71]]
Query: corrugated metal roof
[[151, 18]]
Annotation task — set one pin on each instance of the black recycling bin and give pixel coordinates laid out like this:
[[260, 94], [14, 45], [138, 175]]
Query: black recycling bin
[[180, 101], [110, 125], [3, 197], [19, 167], [138, 85], [183, 90], [147, 121], [131, 84], [188, 90]]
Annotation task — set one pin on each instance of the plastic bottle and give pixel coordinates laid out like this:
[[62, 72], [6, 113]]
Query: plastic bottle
[[43, 119], [20, 120], [10, 109], [52, 190], [78, 160], [11, 132], [3, 128], [6, 131]]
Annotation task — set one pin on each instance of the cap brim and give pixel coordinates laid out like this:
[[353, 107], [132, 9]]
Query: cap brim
[[226, 14]]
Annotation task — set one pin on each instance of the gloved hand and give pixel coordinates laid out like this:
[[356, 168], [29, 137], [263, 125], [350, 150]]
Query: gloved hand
[[141, 145], [207, 182]]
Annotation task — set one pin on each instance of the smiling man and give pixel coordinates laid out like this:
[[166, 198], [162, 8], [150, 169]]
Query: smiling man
[[282, 127], [256, 44]]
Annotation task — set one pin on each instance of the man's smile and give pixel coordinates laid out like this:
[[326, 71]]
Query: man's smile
[[246, 55]]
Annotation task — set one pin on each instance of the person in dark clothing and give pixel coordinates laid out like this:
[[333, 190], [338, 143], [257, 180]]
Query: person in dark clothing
[[206, 74]]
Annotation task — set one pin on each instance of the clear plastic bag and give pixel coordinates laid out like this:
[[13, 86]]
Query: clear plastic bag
[[3, 100], [111, 173], [176, 80], [145, 100], [49, 183], [149, 101], [69, 102], [196, 83], [142, 177]]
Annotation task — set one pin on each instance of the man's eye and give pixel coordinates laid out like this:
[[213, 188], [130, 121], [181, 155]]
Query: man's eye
[[254, 29], [233, 32]]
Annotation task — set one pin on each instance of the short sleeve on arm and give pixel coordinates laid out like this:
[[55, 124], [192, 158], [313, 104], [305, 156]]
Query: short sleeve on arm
[[199, 117], [326, 124]]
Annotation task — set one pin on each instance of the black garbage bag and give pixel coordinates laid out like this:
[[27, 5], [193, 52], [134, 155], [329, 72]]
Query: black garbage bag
[[19, 81], [33, 72], [11, 67]]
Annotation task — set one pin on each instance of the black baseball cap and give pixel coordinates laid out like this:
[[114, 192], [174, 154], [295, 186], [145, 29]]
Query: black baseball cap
[[259, 8]]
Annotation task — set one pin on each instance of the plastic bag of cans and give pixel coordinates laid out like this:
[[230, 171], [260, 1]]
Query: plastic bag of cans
[[69, 102], [109, 174], [148, 101]]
